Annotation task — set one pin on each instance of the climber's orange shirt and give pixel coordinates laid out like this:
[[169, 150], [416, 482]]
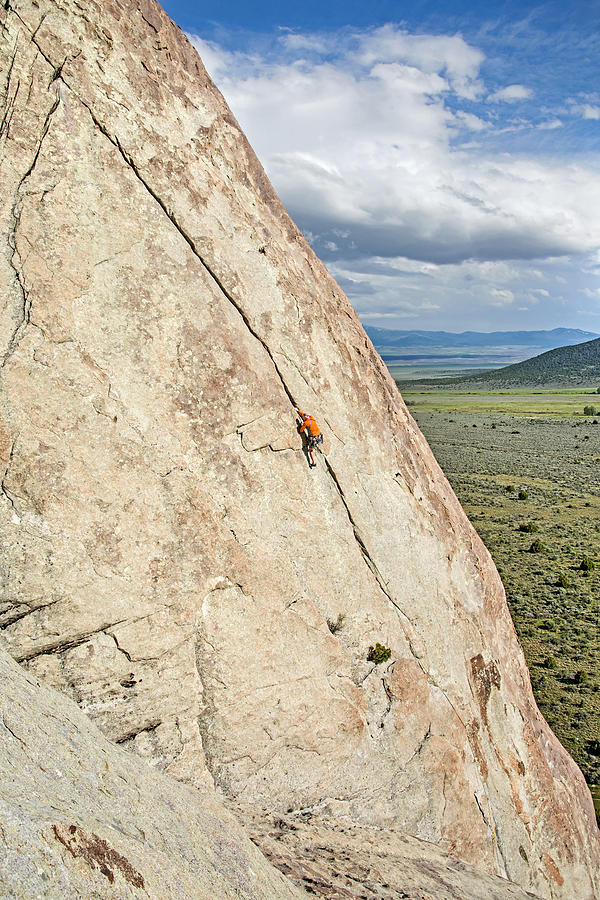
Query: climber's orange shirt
[[309, 422]]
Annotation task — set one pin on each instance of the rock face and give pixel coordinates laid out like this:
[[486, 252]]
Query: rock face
[[169, 559]]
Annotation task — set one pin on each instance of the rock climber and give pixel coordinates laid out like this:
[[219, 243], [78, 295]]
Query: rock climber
[[313, 434]]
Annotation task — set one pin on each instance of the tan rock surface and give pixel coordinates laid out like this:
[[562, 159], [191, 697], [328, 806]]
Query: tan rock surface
[[169, 559], [82, 818]]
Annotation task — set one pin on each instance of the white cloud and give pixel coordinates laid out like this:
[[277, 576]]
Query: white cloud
[[363, 145], [295, 41], [503, 297], [551, 125], [591, 112], [450, 55], [511, 94], [471, 121], [586, 106]]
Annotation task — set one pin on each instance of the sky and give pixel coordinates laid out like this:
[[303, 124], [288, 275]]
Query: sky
[[442, 158]]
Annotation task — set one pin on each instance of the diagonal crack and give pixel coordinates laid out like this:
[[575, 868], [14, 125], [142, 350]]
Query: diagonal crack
[[190, 242], [17, 616], [59, 645], [382, 584]]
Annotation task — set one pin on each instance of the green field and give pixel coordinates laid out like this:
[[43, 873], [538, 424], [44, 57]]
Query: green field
[[526, 468], [514, 402]]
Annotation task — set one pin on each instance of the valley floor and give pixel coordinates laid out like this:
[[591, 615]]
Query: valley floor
[[526, 468]]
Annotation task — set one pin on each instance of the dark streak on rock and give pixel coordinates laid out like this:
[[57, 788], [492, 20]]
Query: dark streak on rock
[[485, 677], [97, 853]]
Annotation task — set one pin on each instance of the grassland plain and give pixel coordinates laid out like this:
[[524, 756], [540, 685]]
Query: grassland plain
[[526, 468]]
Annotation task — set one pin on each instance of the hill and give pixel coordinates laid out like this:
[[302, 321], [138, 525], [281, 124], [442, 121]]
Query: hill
[[565, 366]]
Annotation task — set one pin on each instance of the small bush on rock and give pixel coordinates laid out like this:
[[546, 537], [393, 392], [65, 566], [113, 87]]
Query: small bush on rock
[[335, 624], [528, 527], [587, 564], [523, 495], [378, 653]]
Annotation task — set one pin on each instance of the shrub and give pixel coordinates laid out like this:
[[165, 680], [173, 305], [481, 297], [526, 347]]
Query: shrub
[[378, 653], [590, 411], [528, 527], [580, 676], [537, 547], [563, 581], [335, 624], [523, 495], [587, 564], [510, 488], [550, 662]]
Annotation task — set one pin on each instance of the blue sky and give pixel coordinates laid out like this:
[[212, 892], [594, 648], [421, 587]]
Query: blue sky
[[442, 158]]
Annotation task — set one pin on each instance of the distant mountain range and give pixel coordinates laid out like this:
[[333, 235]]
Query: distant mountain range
[[388, 342]]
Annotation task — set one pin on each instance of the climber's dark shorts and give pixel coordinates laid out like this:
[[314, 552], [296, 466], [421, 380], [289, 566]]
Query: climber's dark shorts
[[313, 441]]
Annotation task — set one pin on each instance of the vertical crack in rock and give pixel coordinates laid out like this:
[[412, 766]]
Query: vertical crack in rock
[[10, 731], [6, 493], [9, 102], [15, 259], [370, 562], [118, 646]]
